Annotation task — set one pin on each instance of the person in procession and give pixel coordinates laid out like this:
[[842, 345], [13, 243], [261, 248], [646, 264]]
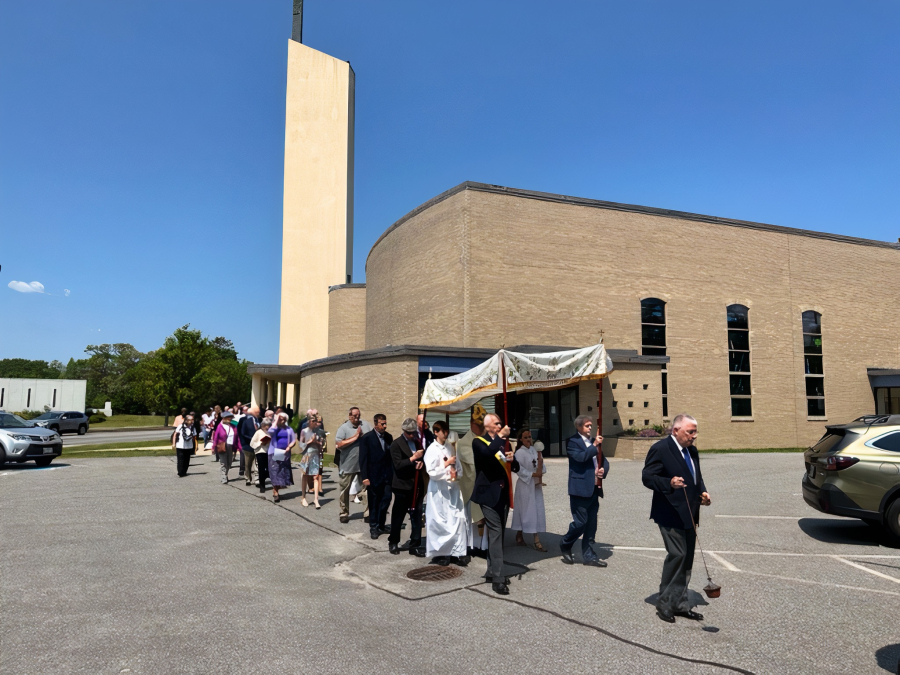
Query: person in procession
[[491, 492], [312, 442], [447, 528], [425, 437], [260, 445], [184, 440], [585, 474], [672, 471], [376, 472], [247, 428], [409, 490], [467, 480], [226, 442], [347, 442], [529, 516], [283, 441]]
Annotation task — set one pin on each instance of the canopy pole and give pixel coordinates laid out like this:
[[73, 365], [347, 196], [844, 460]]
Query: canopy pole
[[506, 423], [600, 426]]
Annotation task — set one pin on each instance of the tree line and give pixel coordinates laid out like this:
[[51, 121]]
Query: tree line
[[190, 371]]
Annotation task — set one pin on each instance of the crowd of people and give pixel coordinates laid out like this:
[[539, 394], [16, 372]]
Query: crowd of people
[[458, 489]]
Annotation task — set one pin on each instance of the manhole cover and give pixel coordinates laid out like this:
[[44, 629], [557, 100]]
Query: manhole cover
[[434, 573]]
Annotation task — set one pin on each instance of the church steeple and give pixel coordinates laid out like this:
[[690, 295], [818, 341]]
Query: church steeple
[[297, 26]]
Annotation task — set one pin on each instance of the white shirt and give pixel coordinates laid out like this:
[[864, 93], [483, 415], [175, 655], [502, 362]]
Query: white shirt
[[690, 459], [588, 441], [181, 442]]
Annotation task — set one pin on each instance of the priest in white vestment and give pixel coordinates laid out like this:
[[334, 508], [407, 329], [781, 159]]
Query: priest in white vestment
[[528, 513], [446, 524]]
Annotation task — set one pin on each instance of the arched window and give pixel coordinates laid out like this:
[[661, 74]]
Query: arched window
[[813, 368], [738, 318], [653, 339]]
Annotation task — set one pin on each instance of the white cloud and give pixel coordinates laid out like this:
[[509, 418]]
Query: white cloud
[[22, 287], [66, 292]]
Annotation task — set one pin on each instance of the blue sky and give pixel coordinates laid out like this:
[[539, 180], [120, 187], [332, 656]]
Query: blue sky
[[141, 142]]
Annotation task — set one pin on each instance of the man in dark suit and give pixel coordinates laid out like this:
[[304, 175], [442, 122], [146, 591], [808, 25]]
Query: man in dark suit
[[247, 427], [672, 471], [491, 492], [376, 471], [408, 486], [585, 471], [425, 437]]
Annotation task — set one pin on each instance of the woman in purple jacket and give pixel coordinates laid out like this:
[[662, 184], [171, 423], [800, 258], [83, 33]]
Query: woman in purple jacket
[[283, 441], [226, 442]]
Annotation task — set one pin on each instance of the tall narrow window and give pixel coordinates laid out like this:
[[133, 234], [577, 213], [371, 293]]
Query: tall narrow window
[[813, 370], [54, 398], [739, 360], [2, 396], [653, 327], [28, 404], [653, 339]]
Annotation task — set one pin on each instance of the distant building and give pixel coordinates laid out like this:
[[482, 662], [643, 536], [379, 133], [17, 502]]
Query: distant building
[[34, 394]]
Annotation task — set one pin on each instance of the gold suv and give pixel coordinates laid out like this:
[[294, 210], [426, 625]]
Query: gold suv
[[854, 471]]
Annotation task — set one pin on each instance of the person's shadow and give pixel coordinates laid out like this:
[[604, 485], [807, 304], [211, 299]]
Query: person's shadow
[[526, 555], [888, 658]]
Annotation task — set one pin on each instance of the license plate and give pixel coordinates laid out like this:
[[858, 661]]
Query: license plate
[[48, 451]]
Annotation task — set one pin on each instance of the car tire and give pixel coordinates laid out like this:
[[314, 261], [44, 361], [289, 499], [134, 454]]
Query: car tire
[[54, 428], [43, 461], [2, 456], [892, 518], [82, 430]]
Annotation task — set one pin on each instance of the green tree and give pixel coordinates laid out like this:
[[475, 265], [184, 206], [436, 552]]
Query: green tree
[[192, 371], [108, 370], [31, 369]]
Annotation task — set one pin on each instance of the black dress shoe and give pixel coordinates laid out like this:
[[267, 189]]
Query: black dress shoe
[[568, 557], [462, 561], [693, 616], [406, 545], [418, 551], [394, 549], [595, 563], [503, 589], [441, 560], [668, 617], [345, 519], [374, 535], [384, 529]]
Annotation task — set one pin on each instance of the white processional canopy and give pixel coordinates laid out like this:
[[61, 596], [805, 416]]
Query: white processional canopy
[[523, 372]]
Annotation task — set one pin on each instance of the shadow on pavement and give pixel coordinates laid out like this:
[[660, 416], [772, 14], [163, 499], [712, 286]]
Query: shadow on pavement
[[888, 658], [848, 531], [694, 599]]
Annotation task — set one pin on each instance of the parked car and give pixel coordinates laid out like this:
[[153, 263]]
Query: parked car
[[854, 471], [21, 442], [62, 422]]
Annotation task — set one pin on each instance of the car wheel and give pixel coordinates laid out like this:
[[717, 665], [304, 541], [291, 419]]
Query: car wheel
[[82, 430], [2, 456], [43, 461], [892, 518], [54, 428]]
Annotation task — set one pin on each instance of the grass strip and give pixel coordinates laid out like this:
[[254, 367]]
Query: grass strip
[[122, 421], [113, 446]]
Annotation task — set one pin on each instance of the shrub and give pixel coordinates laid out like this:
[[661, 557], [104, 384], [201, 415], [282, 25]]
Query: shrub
[[29, 414], [630, 431], [97, 418], [649, 433]]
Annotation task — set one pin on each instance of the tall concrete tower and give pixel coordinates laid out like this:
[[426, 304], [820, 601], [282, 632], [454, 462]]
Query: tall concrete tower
[[318, 194]]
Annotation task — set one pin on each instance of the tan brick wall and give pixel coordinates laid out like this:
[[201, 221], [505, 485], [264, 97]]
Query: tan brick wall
[[384, 386], [511, 270], [346, 320]]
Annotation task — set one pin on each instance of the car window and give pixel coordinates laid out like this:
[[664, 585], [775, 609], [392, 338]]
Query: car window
[[890, 442], [12, 422], [829, 441], [47, 416]]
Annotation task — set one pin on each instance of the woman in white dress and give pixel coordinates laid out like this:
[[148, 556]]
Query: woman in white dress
[[446, 526], [528, 513]]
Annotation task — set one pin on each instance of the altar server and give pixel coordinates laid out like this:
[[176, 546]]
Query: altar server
[[528, 513], [446, 525]]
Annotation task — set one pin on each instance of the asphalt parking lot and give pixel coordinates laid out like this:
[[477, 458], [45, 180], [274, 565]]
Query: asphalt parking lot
[[117, 566]]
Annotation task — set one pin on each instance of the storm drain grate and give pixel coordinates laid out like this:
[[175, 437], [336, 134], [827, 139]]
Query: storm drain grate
[[434, 573]]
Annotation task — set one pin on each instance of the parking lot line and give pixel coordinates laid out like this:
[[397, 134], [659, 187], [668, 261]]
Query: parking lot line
[[866, 569], [769, 553], [721, 515], [727, 565]]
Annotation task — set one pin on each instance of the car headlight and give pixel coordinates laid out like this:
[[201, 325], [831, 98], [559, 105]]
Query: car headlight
[[20, 437], [55, 437], [40, 424]]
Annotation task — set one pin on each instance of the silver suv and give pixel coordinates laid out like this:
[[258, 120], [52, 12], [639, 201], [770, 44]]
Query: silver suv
[[61, 422], [21, 442]]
